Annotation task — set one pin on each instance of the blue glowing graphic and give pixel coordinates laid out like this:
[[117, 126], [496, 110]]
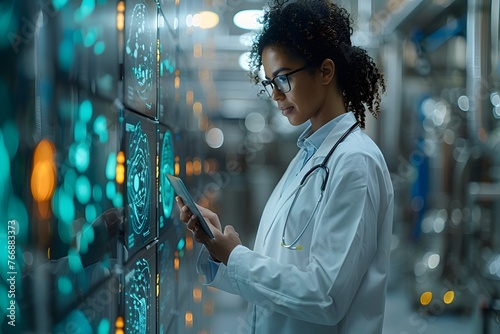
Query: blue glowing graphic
[[139, 174], [140, 49], [137, 298], [166, 166]]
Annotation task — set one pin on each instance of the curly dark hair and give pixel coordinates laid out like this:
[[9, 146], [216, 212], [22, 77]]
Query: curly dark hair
[[315, 30]]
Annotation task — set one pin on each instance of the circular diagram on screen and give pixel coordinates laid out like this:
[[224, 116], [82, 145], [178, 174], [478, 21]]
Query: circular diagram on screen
[[166, 166], [138, 298], [140, 49], [139, 180]]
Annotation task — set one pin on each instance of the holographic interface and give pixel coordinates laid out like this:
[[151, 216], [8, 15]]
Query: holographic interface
[[140, 57], [166, 166], [139, 172], [140, 293]]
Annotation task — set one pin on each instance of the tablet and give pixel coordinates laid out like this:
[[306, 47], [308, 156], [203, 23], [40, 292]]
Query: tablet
[[181, 190]]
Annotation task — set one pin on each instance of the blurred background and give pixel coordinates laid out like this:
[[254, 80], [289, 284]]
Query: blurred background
[[100, 98]]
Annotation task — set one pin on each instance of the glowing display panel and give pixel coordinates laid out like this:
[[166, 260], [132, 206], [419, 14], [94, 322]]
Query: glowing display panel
[[140, 292], [87, 206], [96, 313], [166, 165], [140, 67], [167, 282], [168, 107], [139, 145]]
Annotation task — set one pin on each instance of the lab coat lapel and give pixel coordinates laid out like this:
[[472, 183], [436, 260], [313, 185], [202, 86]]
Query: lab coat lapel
[[274, 207], [339, 129], [270, 213]]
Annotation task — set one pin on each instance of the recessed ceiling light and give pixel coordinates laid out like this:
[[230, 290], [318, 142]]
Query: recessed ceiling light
[[208, 19], [244, 60], [248, 19]]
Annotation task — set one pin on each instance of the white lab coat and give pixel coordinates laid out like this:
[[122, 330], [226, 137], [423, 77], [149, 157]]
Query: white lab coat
[[337, 283]]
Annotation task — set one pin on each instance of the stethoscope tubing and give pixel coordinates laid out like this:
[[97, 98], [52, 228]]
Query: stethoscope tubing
[[323, 166]]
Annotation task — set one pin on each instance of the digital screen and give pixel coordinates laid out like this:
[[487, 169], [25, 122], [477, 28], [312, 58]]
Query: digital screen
[[96, 313], [140, 67], [87, 204], [139, 145], [167, 111], [140, 292], [86, 134], [167, 282], [166, 165]]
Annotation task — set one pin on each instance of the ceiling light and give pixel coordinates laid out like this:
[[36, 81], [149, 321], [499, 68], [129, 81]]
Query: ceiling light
[[244, 60], [248, 19], [206, 20]]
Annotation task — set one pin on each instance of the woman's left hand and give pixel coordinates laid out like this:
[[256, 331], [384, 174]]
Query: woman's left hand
[[223, 243]]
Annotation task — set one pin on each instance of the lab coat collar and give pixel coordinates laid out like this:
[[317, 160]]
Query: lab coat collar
[[340, 128], [276, 202]]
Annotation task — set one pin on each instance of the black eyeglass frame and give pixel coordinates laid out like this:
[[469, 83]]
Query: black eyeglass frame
[[272, 83]]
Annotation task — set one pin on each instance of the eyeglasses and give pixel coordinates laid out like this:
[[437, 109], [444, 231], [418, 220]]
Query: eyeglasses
[[280, 81]]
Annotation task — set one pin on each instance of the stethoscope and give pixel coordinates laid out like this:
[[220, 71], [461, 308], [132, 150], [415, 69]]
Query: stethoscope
[[313, 169]]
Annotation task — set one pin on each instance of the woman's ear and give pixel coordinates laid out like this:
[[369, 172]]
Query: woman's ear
[[327, 71]]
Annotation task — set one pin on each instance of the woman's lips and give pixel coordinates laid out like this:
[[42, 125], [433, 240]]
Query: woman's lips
[[286, 111]]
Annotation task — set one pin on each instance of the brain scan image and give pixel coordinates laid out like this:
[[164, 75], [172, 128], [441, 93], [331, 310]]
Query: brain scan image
[[166, 166], [140, 56]]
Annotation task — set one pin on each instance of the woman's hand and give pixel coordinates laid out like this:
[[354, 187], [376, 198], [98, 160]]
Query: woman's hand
[[223, 243]]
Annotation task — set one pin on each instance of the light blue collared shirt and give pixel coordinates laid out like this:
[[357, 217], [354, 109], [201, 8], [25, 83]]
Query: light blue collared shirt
[[309, 142]]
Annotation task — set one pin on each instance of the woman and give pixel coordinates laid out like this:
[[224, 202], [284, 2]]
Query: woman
[[320, 259]]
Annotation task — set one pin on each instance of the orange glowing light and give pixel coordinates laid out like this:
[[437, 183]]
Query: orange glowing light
[[177, 168], [120, 157], [189, 243], [119, 323], [426, 298], [197, 166], [43, 175], [197, 295], [120, 167], [189, 319], [448, 297], [120, 21], [120, 7], [189, 168], [176, 264]]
